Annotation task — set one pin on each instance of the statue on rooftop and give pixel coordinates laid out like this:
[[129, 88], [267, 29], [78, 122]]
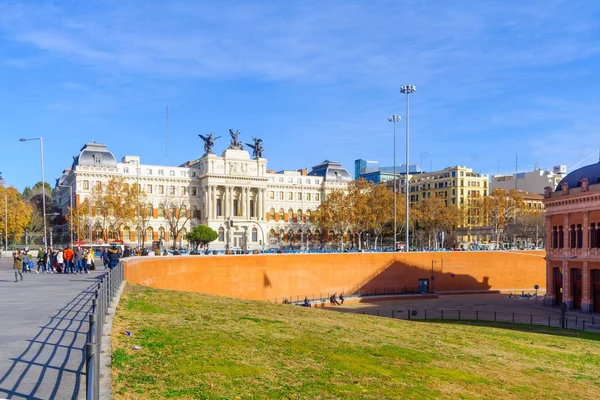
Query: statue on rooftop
[[209, 142], [257, 148], [235, 142]]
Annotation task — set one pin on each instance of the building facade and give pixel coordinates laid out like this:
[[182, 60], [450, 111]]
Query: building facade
[[249, 206], [573, 240], [533, 181]]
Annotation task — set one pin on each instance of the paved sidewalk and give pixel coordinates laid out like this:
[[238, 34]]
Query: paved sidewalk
[[43, 325]]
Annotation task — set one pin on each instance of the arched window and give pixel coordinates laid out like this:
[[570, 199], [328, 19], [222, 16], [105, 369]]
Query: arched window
[[272, 233], [272, 214], [221, 234], [281, 214], [126, 233], [183, 211], [307, 216], [161, 211], [291, 237], [195, 212], [149, 211], [290, 215], [149, 234], [254, 235], [161, 233], [299, 215], [172, 211]]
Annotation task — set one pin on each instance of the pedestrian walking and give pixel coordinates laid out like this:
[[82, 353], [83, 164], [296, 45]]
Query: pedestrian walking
[[25, 260], [113, 256], [60, 261], [17, 264], [41, 260], [68, 256], [105, 258], [78, 260]]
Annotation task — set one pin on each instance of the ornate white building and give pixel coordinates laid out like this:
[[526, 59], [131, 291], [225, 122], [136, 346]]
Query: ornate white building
[[249, 206]]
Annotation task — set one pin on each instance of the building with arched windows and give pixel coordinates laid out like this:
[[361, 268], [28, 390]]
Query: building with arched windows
[[573, 240], [249, 206]]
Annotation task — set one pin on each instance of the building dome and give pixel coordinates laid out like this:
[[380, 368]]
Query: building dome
[[591, 172], [331, 171], [95, 155]]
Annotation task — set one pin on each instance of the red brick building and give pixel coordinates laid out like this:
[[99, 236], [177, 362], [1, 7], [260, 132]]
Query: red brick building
[[573, 240]]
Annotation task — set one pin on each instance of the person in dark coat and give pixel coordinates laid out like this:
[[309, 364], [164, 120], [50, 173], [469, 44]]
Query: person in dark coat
[[113, 256]]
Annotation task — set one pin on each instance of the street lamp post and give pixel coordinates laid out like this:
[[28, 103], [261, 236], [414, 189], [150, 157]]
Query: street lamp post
[[407, 89], [43, 187], [71, 207], [395, 118], [137, 169], [6, 218]]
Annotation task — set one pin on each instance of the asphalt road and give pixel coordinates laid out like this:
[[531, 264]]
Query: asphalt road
[[43, 322]]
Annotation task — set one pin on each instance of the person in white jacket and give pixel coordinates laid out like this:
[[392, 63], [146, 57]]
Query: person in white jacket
[[60, 261]]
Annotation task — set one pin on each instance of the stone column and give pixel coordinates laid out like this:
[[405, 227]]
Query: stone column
[[586, 300], [566, 228], [206, 201], [243, 197], [550, 282], [566, 270], [214, 202], [586, 232], [231, 196], [548, 232], [262, 204]]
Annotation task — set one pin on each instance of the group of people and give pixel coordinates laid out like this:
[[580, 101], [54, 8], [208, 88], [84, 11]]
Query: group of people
[[333, 301], [73, 261]]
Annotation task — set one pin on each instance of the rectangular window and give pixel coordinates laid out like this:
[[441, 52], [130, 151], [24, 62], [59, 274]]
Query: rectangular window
[[161, 172], [86, 185], [308, 181], [182, 173], [453, 174], [280, 195], [572, 238], [193, 174], [561, 237], [252, 213], [308, 196], [236, 210], [172, 190], [194, 192], [149, 171], [300, 196], [579, 237], [149, 189], [592, 235], [317, 197], [183, 190], [171, 173], [219, 208], [272, 195], [126, 170], [161, 189], [290, 196], [280, 180]]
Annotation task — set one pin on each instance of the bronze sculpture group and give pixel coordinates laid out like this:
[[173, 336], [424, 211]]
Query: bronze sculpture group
[[235, 144]]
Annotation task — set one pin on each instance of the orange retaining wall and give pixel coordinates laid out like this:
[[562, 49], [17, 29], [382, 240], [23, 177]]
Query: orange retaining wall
[[263, 277]]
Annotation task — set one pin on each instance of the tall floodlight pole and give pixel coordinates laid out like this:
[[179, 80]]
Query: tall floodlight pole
[[395, 118], [43, 187], [407, 89], [71, 207]]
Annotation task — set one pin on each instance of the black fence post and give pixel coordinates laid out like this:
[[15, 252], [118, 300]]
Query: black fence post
[[531, 319], [549, 320], [409, 314], [494, 316], [584, 325], [477, 315], [392, 313], [513, 318]]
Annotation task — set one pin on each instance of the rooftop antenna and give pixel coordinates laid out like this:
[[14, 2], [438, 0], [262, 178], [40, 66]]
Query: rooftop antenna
[[167, 135]]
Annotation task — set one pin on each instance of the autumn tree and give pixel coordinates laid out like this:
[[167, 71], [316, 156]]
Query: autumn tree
[[381, 210], [433, 216], [333, 215], [78, 215], [357, 209], [501, 208], [19, 214], [176, 215]]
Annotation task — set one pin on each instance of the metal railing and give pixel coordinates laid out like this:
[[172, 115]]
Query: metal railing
[[590, 324], [324, 296], [105, 290]]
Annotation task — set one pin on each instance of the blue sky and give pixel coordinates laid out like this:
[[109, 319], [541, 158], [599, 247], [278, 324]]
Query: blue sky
[[315, 79]]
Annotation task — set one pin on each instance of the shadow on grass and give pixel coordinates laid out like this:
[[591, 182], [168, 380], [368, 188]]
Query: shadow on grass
[[571, 333]]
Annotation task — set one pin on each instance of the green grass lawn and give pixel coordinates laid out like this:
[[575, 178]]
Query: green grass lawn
[[197, 346]]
